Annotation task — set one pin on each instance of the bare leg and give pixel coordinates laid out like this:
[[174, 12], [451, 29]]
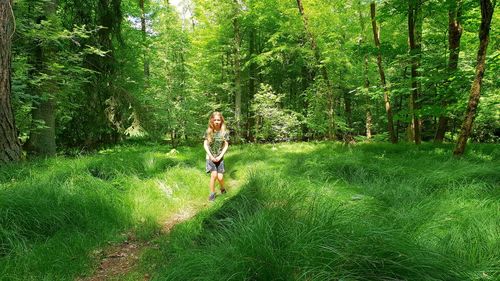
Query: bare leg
[[220, 177], [213, 178]]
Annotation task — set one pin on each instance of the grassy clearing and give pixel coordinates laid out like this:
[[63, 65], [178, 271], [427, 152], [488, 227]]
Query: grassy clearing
[[303, 212], [327, 212], [56, 213]]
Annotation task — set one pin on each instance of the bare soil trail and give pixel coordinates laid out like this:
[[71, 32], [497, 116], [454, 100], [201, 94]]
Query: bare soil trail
[[118, 260]]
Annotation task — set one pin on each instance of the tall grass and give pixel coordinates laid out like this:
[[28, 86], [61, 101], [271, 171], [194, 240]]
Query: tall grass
[[326, 212], [55, 214], [304, 212]]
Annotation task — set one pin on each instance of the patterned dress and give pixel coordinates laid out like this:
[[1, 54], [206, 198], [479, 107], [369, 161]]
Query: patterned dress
[[216, 147], [217, 143]]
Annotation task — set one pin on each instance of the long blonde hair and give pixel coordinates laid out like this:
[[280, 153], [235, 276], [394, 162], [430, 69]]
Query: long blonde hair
[[211, 126]]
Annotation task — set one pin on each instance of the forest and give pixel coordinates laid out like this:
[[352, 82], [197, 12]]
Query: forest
[[85, 74], [363, 139]]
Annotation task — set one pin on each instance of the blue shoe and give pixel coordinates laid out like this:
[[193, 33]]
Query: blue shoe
[[211, 197]]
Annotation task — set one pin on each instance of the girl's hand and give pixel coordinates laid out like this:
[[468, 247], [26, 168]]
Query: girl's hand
[[217, 159], [213, 159]]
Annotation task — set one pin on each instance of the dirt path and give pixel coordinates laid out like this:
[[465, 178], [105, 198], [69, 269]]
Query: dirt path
[[117, 260], [120, 259]]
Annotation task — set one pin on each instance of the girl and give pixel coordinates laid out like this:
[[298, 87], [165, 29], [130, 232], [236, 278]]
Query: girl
[[216, 144]]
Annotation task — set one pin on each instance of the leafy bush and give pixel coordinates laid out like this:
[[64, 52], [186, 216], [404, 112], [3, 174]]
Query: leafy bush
[[272, 122]]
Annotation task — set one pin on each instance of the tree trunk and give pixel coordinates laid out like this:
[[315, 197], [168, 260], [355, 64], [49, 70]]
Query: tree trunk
[[91, 125], [487, 8], [366, 84], [348, 109], [387, 102], [399, 107], [237, 72], [252, 71], [324, 73], [10, 147], [173, 137], [454, 35], [42, 140], [144, 38], [414, 40]]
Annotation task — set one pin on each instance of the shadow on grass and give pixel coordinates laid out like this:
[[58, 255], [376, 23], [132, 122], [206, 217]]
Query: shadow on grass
[[424, 170], [285, 225], [270, 232], [35, 211], [142, 163], [60, 209]]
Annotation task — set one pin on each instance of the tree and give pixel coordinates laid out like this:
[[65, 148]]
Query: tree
[[388, 108], [366, 81], [10, 147], [415, 44], [454, 35], [317, 60], [237, 70], [487, 8], [252, 77], [144, 40], [100, 117], [42, 140], [273, 122], [324, 72]]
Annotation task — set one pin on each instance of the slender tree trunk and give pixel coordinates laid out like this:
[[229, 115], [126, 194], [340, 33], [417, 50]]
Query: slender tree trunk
[[307, 79], [414, 39], [399, 108], [388, 108], [454, 35], [487, 8], [251, 84], [348, 109], [144, 38], [237, 71], [10, 147], [348, 136], [173, 137], [324, 73], [366, 81], [222, 68], [369, 122], [42, 140]]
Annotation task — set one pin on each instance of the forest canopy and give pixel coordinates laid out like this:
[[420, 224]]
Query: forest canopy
[[90, 73]]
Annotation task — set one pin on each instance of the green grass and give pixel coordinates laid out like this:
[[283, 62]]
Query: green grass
[[328, 212], [55, 214], [303, 211]]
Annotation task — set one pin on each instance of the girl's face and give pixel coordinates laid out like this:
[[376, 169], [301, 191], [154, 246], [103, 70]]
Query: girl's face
[[217, 121]]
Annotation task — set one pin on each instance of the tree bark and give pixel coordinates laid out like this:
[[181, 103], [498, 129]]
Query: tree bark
[[454, 35], [144, 38], [487, 8], [237, 72], [348, 135], [387, 102], [324, 73], [348, 110], [42, 140], [414, 40], [252, 77], [366, 81], [10, 147]]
